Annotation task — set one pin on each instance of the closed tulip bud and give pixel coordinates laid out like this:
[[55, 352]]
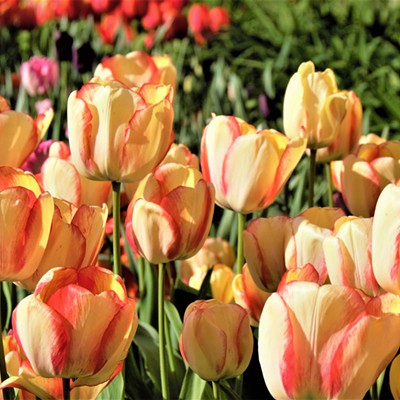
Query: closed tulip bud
[[326, 341], [248, 295], [348, 255], [75, 239], [361, 177], [118, 134], [20, 134], [77, 324], [349, 131], [171, 219], [216, 339], [313, 107], [385, 239], [248, 168], [59, 176], [25, 220]]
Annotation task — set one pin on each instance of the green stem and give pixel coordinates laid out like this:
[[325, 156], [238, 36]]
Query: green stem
[[116, 189], [3, 370], [216, 390], [241, 219], [311, 176], [66, 388], [328, 175], [161, 332]]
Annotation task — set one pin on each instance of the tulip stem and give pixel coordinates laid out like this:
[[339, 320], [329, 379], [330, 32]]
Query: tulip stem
[[216, 390], [116, 189], [66, 388], [239, 256], [311, 176], [161, 332], [3, 370], [329, 182]]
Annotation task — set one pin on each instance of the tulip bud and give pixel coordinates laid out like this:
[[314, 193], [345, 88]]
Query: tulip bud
[[313, 107], [216, 339]]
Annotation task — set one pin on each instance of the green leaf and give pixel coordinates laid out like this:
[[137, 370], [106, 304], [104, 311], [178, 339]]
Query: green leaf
[[173, 318], [115, 390]]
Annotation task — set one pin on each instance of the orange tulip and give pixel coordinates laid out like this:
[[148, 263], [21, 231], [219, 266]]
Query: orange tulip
[[59, 176], [172, 217], [138, 68], [24, 378], [326, 341], [25, 220], [75, 239], [248, 168], [313, 107], [119, 134], [385, 239], [349, 132], [348, 255], [216, 339], [77, 324], [20, 134], [394, 378]]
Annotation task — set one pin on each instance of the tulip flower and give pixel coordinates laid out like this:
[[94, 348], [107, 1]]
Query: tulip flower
[[20, 134], [39, 75], [118, 134], [85, 337], [348, 255], [361, 177], [59, 176], [23, 377], [313, 107], [75, 239], [385, 239], [325, 342], [138, 68], [216, 339], [248, 295], [172, 217], [394, 378], [25, 220], [304, 273], [349, 132], [248, 168]]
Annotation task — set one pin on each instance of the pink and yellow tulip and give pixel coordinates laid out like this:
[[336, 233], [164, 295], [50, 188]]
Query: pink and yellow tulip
[[59, 176], [325, 342], [171, 218], [118, 134], [313, 107], [216, 339], [77, 324], [20, 134], [25, 221], [248, 168]]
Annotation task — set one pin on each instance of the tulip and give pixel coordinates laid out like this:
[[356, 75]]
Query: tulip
[[248, 168], [25, 220], [24, 378], [326, 341], [59, 176], [219, 19], [248, 295], [349, 132], [214, 251], [216, 339], [304, 273], [75, 239], [394, 378], [20, 134], [39, 75], [84, 338], [172, 217], [313, 107], [118, 134], [348, 255], [361, 177], [385, 239], [138, 68]]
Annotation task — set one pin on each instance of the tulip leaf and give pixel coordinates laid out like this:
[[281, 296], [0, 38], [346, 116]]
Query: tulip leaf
[[173, 318], [115, 390], [193, 387]]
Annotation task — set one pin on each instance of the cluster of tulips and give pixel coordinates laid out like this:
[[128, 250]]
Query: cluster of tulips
[[319, 291]]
